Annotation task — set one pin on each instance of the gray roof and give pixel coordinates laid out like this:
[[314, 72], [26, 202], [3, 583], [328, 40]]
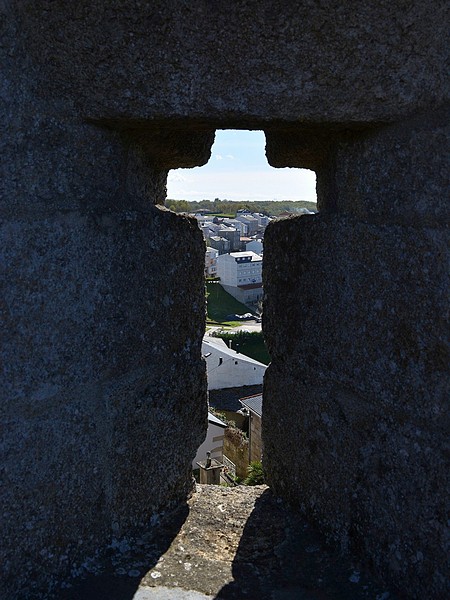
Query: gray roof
[[215, 421], [229, 398], [253, 403]]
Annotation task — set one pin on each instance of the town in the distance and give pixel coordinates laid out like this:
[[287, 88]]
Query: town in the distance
[[234, 236], [233, 346]]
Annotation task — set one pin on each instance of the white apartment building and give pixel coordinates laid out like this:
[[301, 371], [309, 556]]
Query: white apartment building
[[239, 268], [211, 255], [241, 276]]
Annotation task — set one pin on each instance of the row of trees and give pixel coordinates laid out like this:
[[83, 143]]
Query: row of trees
[[229, 207]]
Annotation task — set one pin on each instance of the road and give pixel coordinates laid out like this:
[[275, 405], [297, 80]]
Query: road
[[250, 326]]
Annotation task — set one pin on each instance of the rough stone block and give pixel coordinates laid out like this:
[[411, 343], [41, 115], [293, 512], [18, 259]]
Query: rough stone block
[[104, 298], [355, 322], [240, 62], [397, 174], [102, 350]]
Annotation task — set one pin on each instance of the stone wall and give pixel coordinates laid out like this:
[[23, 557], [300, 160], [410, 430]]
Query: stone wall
[[96, 333], [103, 291], [103, 315], [235, 447], [356, 397], [256, 447]]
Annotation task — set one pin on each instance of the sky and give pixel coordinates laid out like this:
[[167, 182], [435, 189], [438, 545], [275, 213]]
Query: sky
[[238, 170]]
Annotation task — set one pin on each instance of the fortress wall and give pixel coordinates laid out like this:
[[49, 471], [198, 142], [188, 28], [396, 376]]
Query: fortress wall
[[303, 62], [103, 290], [103, 314], [101, 348], [356, 322]]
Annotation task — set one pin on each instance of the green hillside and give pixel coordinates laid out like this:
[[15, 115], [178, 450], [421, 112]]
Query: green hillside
[[220, 304]]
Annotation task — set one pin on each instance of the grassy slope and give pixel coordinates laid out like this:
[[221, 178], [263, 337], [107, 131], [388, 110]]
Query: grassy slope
[[221, 304], [250, 344]]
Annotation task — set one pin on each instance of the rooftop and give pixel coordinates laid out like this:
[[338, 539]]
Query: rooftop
[[253, 403], [229, 398], [215, 421], [218, 345], [248, 254]]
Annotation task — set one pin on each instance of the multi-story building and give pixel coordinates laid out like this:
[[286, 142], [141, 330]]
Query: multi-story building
[[208, 229], [239, 225], [232, 235], [211, 255], [255, 246], [251, 223], [263, 220], [219, 243], [241, 275]]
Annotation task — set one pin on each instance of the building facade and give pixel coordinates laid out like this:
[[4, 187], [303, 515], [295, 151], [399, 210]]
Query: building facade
[[227, 368], [219, 243], [213, 441], [255, 246], [252, 405], [211, 255], [241, 276], [239, 268]]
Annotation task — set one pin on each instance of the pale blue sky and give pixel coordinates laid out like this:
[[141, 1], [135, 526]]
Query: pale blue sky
[[238, 170]]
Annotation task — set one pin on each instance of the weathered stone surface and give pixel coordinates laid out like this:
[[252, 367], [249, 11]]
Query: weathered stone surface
[[103, 294], [354, 317], [94, 408], [366, 303], [228, 543], [398, 174], [266, 60]]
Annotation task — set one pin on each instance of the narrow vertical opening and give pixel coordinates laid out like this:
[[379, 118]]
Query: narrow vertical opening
[[234, 197]]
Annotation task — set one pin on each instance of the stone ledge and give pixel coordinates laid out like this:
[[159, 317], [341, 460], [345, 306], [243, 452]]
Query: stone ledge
[[232, 543]]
